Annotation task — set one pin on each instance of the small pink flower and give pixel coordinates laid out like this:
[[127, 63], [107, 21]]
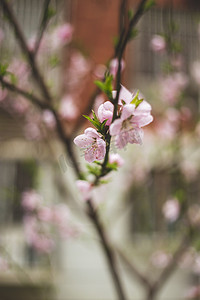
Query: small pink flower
[[158, 43], [65, 33], [160, 259], [124, 95], [49, 118], [94, 145], [127, 129], [116, 158], [114, 66], [45, 214], [171, 210], [105, 112], [31, 200], [85, 188], [68, 110]]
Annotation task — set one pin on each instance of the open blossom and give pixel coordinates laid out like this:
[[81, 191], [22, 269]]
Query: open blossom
[[116, 158], [94, 145], [171, 210], [85, 188], [105, 112], [127, 129], [158, 43]]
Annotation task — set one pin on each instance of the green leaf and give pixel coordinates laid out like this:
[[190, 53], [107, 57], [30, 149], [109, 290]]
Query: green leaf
[[136, 100], [3, 69], [130, 14], [112, 167], [106, 86], [133, 33], [149, 4], [50, 13], [54, 61], [88, 118], [94, 169]]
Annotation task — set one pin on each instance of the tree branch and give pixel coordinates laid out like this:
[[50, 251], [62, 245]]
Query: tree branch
[[28, 95], [22, 42]]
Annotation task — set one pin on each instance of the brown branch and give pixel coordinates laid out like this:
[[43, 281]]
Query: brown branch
[[109, 253], [133, 270], [28, 95], [164, 276], [22, 42]]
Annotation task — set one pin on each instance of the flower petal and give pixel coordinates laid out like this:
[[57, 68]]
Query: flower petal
[[83, 141], [143, 108], [127, 111], [142, 120], [115, 127], [125, 95], [91, 132]]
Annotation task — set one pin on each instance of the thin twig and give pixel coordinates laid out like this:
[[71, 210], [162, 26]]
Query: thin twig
[[22, 42], [110, 255], [133, 270], [28, 95], [170, 268], [43, 26]]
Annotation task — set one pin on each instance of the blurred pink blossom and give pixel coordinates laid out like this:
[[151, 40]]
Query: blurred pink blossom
[[31, 200], [105, 112], [195, 71], [158, 43], [84, 188], [172, 86], [62, 35], [171, 210], [49, 118], [114, 66], [99, 71], [68, 109], [193, 293], [116, 158], [94, 145], [177, 61], [160, 259]]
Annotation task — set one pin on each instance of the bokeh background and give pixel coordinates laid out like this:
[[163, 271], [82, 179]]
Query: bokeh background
[[147, 204]]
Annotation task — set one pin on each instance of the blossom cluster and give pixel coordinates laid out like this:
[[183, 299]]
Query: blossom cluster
[[133, 114], [44, 224]]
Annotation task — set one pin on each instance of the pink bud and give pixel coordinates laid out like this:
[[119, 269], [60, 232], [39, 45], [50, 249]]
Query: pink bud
[[116, 158]]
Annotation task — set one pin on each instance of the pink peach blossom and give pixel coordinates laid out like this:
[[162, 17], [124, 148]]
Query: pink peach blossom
[[68, 110], [116, 158], [127, 129], [94, 145], [64, 33], [85, 188], [49, 118], [158, 43], [31, 200], [171, 210], [105, 112]]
